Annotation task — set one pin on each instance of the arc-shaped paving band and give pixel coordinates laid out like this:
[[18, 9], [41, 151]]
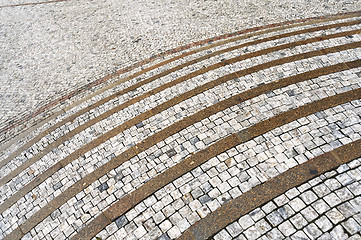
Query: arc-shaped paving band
[[298, 22], [177, 99], [164, 133], [148, 142], [164, 73], [254, 32], [87, 180], [58, 201], [167, 85], [261, 194], [127, 202]]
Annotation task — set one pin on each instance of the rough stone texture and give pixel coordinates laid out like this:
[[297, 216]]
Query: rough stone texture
[[49, 49], [148, 162]]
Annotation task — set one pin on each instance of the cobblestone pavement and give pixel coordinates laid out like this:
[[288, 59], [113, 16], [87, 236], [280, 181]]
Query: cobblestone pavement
[[57, 52], [250, 135]]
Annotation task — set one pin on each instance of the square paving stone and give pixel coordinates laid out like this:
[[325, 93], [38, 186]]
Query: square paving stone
[[312, 231], [298, 221], [275, 218], [309, 213], [285, 211], [287, 228], [121, 221], [324, 223], [57, 186], [164, 237], [275, 234], [103, 187], [204, 199], [234, 229], [351, 226], [347, 209], [246, 221], [170, 153], [252, 233], [338, 233], [300, 235], [335, 216]]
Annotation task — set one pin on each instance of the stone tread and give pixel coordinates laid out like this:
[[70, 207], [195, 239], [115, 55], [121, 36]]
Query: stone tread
[[186, 189], [101, 172], [27, 163], [207, 47], [49, 139], [64, 98]]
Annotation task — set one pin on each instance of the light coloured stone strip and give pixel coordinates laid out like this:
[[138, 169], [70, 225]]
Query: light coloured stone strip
[[51, 138], [326, 207]]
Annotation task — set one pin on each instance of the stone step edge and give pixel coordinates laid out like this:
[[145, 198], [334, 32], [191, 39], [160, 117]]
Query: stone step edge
[[124, 204], [148, 80], [47, 107], [261, 194], [126, 125], [162, 134]]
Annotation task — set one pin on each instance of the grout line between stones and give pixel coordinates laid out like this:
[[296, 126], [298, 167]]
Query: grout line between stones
[[127, 202]]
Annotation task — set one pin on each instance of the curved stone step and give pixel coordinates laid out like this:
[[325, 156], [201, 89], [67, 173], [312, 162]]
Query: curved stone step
[[49, 148], [274, 28], [184, 166], [95, 194], [127, 202], [55, 167], [325, 207], [165, 130], [273, 188], [17, 123], [137, 85]]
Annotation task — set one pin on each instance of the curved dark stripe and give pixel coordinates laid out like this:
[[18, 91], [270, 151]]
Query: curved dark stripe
[[33, 3], [147, 189], [109, 135], [139, 84], [161, 180], [160, 135], [261, 194], [17, 122]]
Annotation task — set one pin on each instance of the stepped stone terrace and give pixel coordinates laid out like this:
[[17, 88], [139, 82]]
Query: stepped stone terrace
[[180, 119]]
